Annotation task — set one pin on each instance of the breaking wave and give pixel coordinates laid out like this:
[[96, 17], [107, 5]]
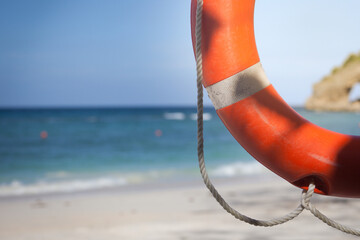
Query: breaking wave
[[174, 116], [238, 169], [17, 188]]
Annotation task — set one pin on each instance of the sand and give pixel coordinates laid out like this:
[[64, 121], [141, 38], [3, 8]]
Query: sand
[[171, 211]]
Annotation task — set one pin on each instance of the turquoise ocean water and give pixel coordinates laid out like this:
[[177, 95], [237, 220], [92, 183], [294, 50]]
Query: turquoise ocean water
[[101, 148]]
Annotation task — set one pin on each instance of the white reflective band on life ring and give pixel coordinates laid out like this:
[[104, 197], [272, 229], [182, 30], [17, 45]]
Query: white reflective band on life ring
[[238, 86]]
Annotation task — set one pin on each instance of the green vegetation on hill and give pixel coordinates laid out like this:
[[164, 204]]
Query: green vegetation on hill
[[350, 59], [332, 93]]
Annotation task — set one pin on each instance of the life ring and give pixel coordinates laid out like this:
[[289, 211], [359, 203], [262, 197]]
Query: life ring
[[256, 115]]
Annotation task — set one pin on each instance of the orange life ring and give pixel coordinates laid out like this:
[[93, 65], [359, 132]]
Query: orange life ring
[[259, 119]]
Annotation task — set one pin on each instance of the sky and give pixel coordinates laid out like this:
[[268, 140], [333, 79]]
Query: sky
[[73, 53]]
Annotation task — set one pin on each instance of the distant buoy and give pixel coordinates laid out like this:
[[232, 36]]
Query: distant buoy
[[43, 134], [158, 133]]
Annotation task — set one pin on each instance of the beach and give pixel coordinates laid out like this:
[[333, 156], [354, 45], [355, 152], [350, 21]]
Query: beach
[[132, 173], [101, 132], [171, 211]]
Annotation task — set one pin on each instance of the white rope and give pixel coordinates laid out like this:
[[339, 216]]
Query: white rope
[[200, 138], [306, 195], [307, 205]]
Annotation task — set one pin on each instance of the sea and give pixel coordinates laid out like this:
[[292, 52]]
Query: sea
[[46, 151]]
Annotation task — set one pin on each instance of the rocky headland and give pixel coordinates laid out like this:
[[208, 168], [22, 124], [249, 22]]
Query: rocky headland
[[333, 91]]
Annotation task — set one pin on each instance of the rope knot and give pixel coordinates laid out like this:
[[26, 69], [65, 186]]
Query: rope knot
[[306, 196]]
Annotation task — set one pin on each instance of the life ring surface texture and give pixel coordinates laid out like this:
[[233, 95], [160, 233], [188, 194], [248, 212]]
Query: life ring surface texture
[[256, 115]]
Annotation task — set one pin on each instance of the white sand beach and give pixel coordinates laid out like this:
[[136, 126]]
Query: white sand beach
[[171, 211]]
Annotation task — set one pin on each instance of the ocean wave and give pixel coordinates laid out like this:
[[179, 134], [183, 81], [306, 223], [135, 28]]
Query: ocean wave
[[206, 116], [57, 174], [66, 182], [238, 169], [17, 188], [174, 116]]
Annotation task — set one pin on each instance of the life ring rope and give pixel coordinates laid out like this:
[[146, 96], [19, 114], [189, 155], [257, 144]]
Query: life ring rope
[[306, 194]]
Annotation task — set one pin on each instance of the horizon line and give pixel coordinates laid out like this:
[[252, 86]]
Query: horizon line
[[76, 107]]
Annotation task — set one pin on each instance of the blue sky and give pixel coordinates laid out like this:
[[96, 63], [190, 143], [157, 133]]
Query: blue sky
[[136, 53]]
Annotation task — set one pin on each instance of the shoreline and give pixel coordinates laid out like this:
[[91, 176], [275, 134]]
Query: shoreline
[[153, 185], [171, 211], [176, 180]]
